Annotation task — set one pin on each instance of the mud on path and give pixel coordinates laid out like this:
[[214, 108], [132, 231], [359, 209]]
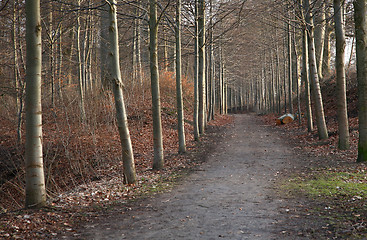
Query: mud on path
[[231, 196]]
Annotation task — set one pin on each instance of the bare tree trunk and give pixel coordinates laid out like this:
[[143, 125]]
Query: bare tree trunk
[[290, 74], [343, 126], [127, 151], [319, 109], [139, 69], [298, 75], [225, 86], [196, 76], [35, 182], [278, 79], [17, 80], [327, 49], [201, 71], [71, 54], [158, 161], [360, 20], [220, 90], [104, 46], [80, 67], [305, 79], [180, 112], [285, 74], [165, 50], [319, 35]]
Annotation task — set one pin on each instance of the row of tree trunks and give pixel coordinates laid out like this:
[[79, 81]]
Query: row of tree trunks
[[319, 109]]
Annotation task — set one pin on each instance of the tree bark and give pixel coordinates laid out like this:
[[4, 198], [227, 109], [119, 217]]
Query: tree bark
[[327, 49], [35, 181], [360, 20], [341, 101], [115, 77], [201, 71], [180, 112], [319, 109], [158, 161], [319, 35], [17, 80], [104, 46], [80, 68], [290, 74], [196, 76]]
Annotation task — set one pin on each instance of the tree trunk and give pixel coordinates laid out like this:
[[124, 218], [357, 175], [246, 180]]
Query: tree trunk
[[298, 85], [201, 71], [115, 77], [319, 109], [80, 68], [360, 20], [341, 101], [305, 79], [35, 182], [17, 80], [327, 49], [285, 75], [319, 35], [104, 46], [290, 74], [220, 90], [196, 77], [180, 112], [136, 54], [158, 161]]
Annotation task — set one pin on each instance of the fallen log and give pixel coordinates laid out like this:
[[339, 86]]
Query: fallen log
[[286, 118]]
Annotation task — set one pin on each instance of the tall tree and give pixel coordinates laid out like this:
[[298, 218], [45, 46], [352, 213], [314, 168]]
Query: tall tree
[[35, 182], [341, 102], [196, 76], [80, 65], [306, 80], [319, 108], [115, 77], [360, 20], [104, 46], [201, 71], [290, 69], [158, 161], [319, 33], [180, 113]]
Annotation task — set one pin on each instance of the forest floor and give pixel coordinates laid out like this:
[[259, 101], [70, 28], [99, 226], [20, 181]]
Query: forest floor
[[248, 187], [246, 179]]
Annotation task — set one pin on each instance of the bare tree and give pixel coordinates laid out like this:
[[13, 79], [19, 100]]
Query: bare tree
[[201, 71], [35, 182], [180, 113], [319, 109], [158, 161], [127, 151], [340, 77], [360, 20]]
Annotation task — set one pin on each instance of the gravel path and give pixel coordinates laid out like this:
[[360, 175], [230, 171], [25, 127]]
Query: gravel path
[[230, 197]]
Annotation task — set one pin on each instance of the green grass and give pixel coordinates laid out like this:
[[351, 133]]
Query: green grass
[[331, 184]]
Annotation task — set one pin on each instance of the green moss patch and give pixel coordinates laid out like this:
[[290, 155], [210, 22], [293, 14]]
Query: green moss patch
[[331, 184]]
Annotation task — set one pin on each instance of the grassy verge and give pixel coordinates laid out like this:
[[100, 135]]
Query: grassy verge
[[338, 196]]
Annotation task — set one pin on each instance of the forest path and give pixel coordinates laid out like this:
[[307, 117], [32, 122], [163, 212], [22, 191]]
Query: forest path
[[231, 196]]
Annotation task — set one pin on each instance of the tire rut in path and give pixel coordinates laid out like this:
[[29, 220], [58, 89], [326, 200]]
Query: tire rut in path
[[231, 197]]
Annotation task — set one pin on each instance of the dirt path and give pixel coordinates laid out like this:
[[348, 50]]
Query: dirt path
[[231, 196]]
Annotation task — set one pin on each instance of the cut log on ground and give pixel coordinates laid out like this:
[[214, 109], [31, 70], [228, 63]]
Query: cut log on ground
[[286, 118]]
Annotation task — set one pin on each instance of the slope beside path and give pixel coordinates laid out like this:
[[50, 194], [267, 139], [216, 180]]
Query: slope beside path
[[231, 196]]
